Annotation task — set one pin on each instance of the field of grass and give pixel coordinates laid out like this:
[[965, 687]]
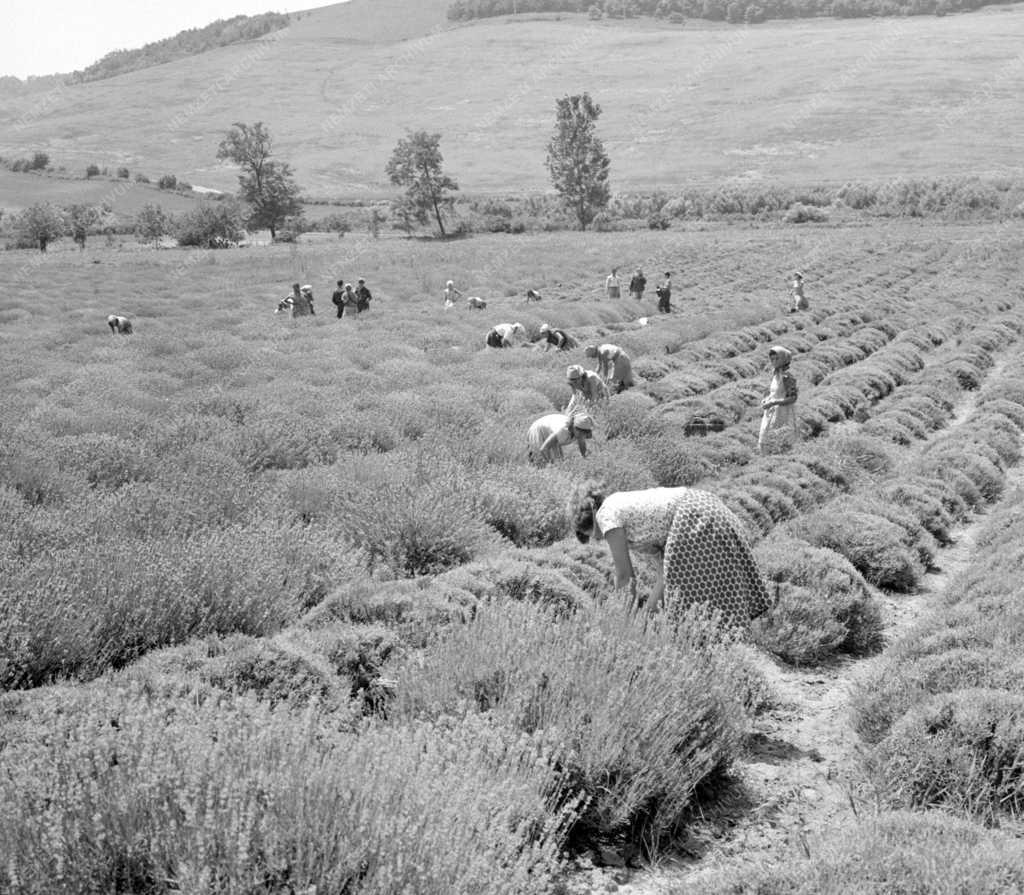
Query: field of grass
[[253, 568], [125, 197], [783, 101]]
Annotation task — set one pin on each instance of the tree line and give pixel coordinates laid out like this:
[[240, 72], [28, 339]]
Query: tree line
[[268, 196], [185, 43], [734, 11]]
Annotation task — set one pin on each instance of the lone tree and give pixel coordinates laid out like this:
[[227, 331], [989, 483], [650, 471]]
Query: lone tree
[[576, 158], [267, 187], [41, 224], [416, 165], [81, 219], [151, 223]]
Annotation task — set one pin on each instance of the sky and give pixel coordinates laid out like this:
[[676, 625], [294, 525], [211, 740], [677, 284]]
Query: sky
[[43, 37]]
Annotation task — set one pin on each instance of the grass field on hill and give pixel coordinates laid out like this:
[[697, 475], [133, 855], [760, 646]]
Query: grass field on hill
[[283, 604], [125, 197], [792, 101]]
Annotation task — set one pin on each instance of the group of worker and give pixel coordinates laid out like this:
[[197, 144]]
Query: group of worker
[[590, 389], [701, 557], [347, 299]]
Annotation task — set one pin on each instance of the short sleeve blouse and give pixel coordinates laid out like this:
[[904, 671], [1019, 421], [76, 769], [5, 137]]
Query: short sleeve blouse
[[645, 516]]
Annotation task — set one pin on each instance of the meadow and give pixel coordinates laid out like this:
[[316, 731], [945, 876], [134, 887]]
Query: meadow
[[683, 105], [283, 605]]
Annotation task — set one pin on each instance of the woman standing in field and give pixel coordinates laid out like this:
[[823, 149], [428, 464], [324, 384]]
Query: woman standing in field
[[637, 284], [550, 433], [800, 302], [588, 390], [450, 294], [612, 288], [778, 423], [613, 366], [699, 550]]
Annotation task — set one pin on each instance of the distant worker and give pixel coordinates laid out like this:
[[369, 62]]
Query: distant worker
[[307, 291], [613, 366], [532, 295], [351, 301], [778, 423], [338, 298], [700, 550], [119, 326], [611, 284], [363, 297], [588, 390], [637, 285], [300, 304], [550, 433], [557, 337], [450, 294], [476, 303], [800, 302], [664, 293], [505, 335]]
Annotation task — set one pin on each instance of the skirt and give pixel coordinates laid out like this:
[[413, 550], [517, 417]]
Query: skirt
[[708, 561]]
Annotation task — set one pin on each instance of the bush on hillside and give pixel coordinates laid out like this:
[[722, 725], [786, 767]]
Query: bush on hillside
[[597, 680], [798, 213], [875, 546], [905, 681], [899, 852], [517, 580], [210, 225], [412, 606], [269, 800], [963, 751], [823, 605]]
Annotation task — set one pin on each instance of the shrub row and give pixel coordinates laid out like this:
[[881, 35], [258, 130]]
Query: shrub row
[[131, 792], [893, 851], [943, 714]]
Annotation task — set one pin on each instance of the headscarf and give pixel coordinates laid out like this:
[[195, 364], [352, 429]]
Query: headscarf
[[574, 373], [582, 421], [784, 353]]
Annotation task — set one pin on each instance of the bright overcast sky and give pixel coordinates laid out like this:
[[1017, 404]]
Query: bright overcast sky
[[42, 37]]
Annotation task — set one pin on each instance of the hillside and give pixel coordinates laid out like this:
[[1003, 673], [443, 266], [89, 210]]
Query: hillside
[[819, 100], [125, 197]]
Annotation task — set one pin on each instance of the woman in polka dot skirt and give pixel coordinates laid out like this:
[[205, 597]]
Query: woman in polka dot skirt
[[698, 546]]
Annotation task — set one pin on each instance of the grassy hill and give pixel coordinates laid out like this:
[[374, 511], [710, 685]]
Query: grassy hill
[[796, 101], [125, 197]]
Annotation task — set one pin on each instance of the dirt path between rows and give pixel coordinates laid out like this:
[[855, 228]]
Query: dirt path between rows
[[799, 776]]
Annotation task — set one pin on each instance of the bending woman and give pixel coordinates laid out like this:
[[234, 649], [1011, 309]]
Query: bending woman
[[613, 366], [698, 547], [588, 390], [548, 435]]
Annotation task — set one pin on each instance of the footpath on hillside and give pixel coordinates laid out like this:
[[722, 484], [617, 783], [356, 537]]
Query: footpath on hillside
[[798, 776]]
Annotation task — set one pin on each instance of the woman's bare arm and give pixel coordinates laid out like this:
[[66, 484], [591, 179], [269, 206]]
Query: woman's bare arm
[[624, 575]]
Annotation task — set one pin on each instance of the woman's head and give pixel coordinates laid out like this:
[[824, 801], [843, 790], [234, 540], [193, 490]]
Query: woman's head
[[583, 507], [779, 356], [574, 374], [590, 351], [450, 284], [582, 424]]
